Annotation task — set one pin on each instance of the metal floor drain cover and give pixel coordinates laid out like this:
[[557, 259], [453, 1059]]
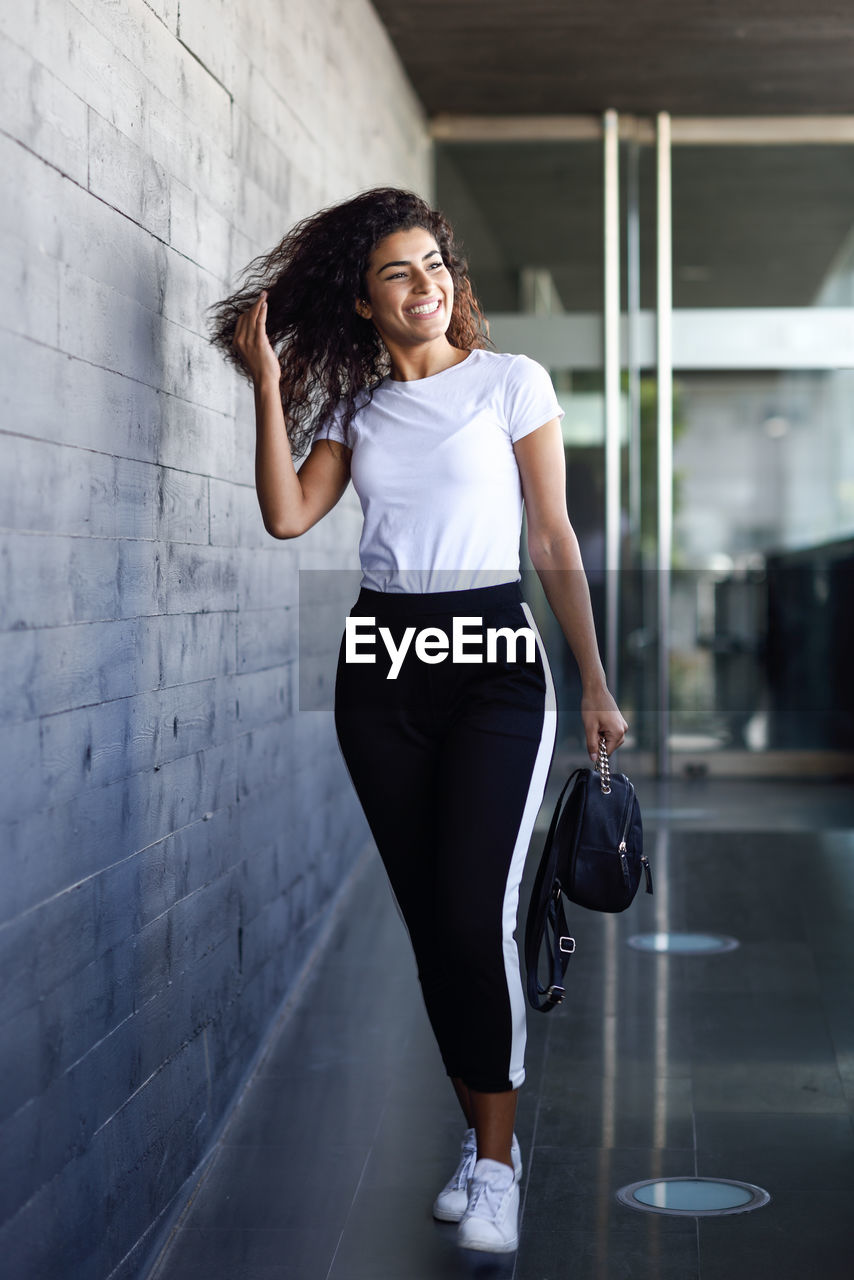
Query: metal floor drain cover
[[686, 944], [693, 1197]]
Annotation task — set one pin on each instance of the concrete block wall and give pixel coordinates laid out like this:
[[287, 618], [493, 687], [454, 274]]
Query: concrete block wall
[[173, 827]]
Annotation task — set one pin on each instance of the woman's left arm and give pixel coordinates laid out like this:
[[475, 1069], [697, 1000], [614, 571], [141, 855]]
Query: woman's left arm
[[554, 552]]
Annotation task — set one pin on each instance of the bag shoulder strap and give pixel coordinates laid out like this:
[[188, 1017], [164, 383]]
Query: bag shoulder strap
[[546, 909]]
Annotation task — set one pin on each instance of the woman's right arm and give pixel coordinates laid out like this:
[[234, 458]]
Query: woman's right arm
[[291, 502]]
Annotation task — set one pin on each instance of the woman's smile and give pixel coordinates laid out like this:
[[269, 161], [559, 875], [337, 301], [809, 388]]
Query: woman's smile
[[428, 308]]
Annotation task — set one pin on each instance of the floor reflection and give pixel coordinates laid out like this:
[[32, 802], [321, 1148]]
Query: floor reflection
[[738, 1065]]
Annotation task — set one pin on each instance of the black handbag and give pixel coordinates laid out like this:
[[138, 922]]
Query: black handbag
[[593, 856]]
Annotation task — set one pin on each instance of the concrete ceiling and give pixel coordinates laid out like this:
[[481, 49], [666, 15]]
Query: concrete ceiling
[[753, 225], [688, 57]]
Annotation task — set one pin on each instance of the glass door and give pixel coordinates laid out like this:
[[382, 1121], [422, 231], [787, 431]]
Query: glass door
[[734, 654], [762, 497]]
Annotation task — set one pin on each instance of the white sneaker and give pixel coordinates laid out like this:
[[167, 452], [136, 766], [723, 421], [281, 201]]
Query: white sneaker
[[450, 1204], [491, 1220]]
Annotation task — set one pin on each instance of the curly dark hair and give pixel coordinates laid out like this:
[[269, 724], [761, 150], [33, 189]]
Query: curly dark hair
[[314, 276]]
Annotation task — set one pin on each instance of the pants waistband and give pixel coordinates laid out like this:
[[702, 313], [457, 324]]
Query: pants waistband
[[471, 600]]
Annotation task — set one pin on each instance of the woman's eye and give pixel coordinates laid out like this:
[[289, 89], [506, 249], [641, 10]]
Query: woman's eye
[[440, 263]]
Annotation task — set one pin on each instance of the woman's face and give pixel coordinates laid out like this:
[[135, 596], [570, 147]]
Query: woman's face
[[410, 293]]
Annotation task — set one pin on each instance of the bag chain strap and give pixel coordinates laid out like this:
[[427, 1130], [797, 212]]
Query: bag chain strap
[[604, 768]]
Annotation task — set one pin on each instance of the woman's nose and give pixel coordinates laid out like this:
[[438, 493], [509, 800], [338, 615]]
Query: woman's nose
[[421, 281]]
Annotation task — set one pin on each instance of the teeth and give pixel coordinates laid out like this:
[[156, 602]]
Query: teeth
[[425, 308]]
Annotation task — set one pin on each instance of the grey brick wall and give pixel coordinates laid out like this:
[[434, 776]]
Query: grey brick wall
[[173, 826]]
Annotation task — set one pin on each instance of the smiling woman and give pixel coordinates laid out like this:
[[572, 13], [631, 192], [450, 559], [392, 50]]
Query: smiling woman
[[317, 283], [383, 364], [410, 298]]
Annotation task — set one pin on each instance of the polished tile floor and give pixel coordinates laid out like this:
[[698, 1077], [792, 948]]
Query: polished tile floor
[[738, 1065]]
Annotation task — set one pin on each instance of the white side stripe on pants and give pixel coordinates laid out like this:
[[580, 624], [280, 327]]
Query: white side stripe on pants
[[534, 799]]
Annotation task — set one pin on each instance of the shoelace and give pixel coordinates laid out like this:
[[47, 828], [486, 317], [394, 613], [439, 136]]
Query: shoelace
[[488, 1191], [464, 1170]]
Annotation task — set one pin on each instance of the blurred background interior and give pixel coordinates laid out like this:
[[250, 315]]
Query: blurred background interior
[[762, 494]]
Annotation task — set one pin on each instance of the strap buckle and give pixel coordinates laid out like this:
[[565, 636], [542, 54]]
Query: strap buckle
[[569, 949], [555, 993]]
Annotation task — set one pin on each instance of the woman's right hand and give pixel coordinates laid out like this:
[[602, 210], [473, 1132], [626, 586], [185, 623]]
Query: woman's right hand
[[252, 345]]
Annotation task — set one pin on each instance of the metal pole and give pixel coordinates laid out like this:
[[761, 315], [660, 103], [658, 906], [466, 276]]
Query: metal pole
[[664, 327], [633, 583], [633, 344], [612, 394]]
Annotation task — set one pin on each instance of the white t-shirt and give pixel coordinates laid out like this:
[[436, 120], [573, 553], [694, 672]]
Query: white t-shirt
[[434, 468]]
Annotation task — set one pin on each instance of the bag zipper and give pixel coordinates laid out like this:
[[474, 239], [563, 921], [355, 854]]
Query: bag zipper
[[624, 862], [647, 872], [626, 815]]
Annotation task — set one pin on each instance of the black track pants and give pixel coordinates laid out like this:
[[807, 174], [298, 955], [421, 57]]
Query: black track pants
[[450, 761]]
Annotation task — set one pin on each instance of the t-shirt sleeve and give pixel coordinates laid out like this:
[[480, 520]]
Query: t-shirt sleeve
[[529, 398], [331, 427]]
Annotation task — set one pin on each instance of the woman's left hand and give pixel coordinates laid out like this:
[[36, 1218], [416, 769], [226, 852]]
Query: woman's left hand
[[601, 715]]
